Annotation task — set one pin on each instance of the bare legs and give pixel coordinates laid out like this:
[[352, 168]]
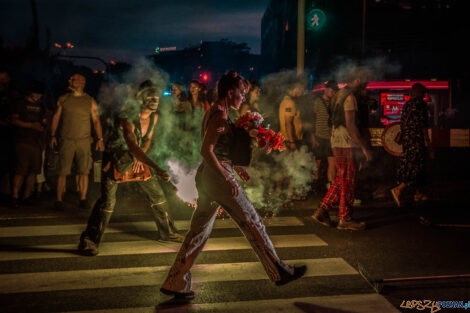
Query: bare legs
[[82, 185], [397, 191], [61, 180], [18, 182]]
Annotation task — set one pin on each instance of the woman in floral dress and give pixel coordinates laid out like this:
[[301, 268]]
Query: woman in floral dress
[[414, 138]]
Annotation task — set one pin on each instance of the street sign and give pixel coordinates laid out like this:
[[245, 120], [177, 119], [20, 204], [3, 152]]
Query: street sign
[[316, 19]]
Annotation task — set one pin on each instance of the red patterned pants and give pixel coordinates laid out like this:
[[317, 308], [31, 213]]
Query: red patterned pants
[[342, 190]]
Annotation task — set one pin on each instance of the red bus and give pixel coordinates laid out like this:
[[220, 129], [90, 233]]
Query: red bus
[[392, 96]]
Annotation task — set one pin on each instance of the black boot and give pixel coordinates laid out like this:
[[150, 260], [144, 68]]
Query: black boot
[[93, 234], [165, 224], [299, 271], [86, 246]]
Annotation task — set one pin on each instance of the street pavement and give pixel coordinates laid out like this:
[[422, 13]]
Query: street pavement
[[40, 270]]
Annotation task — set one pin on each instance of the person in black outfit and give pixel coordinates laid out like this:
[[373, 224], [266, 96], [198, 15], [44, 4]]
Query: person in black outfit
[[29, 119], [414, 138]]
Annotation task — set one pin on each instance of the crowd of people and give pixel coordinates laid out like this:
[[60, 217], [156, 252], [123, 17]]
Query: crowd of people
[[327, 124], [331, 125], [65, 132]]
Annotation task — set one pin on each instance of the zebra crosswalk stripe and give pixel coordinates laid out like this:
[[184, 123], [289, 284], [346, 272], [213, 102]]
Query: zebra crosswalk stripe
[[75, 229], [149, 276], [357, 303], [152, 246], [97, 282]]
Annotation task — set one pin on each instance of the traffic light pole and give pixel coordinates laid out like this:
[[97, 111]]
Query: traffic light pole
[[301, 37], [364, 10]]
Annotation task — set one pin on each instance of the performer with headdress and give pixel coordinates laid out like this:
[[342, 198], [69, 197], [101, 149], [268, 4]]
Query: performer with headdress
[[126, 161]]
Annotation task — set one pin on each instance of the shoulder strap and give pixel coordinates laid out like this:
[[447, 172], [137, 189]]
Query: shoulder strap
[[152, 121], [151, 125], [337, 107]]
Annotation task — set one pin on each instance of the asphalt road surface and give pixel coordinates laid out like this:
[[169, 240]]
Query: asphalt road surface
[[40, 270]]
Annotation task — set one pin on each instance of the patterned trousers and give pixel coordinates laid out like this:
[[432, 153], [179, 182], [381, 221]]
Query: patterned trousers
[[214, 191], [342, 190]]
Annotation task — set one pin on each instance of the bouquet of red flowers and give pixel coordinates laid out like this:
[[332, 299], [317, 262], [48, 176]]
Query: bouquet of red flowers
[[252, 121], [249, 120]]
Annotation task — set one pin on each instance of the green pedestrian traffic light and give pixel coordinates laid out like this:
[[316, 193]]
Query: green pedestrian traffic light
[[316, 19]]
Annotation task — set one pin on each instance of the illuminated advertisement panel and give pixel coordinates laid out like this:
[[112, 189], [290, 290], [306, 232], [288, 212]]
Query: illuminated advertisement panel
[[392, 104]]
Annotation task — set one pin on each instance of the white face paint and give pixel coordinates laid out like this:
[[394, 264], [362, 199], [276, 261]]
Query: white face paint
[[151, 102]]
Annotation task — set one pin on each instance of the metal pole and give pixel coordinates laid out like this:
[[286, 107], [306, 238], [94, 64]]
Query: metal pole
[[301, 37], [363, 49]]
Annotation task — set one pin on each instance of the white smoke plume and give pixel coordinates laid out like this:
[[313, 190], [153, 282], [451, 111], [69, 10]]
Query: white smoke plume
[[184, 179]]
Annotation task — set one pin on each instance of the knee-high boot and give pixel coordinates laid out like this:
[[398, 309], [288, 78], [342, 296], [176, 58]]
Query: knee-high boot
[[162, 219], [97, 223]]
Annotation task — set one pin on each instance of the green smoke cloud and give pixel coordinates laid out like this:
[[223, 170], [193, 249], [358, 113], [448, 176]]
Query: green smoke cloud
[[177, 139]]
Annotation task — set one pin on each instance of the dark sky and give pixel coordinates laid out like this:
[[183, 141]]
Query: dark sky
[[123, 30]]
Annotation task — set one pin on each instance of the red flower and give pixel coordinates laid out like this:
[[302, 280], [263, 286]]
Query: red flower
[[243, 121], [266, 138]]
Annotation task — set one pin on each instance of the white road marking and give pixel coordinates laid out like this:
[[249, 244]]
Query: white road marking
[[76, 229], [359, 303], [151, 276], [153, 246]]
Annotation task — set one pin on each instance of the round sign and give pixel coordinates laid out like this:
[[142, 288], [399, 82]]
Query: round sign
[[391, 139], [316, 18]]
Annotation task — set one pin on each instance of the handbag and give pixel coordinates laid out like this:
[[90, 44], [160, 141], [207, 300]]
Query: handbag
[[240, 150]]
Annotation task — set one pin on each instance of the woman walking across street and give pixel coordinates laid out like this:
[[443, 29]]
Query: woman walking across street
[[216, 183], [414, 138]]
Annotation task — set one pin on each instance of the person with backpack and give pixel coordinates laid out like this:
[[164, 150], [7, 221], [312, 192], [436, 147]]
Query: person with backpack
[[345, 140]]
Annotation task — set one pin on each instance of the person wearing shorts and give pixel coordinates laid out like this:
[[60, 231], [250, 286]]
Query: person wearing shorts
[[74, 110], [321, 136], [29, 119]]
